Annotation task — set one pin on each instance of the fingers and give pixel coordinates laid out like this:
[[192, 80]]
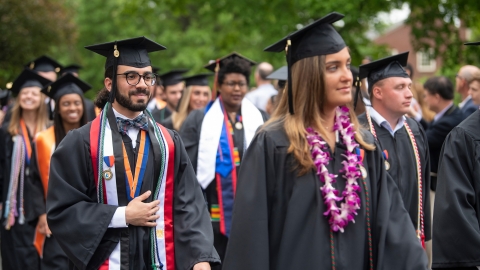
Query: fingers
[[153, 204], [150, 224], [144, 196], [153, 210]]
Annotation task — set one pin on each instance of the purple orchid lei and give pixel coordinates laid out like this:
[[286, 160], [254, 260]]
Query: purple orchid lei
[[339, 216]]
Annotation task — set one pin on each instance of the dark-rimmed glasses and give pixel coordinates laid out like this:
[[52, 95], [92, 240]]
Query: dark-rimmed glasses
[[133, 78]]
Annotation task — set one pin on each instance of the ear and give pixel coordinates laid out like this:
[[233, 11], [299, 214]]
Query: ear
[[377, 93], [108, 84]]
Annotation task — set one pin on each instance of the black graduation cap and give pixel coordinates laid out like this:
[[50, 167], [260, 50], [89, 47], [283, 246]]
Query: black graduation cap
[[131, 52], [45, 64], [199, 79], [27, 78], [376, 71], [71, 69], [172, 77], [216, 65], [212, 66], [317, 38], [67, 84]]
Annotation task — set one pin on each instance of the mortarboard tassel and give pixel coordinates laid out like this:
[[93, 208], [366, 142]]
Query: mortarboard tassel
[[290, 90], [358, 84], [116, 53], [215, 81]]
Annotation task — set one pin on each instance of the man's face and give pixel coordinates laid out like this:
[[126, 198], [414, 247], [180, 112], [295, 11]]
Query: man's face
[[173, 93], [474, 92], [132, 97], [395, 94]]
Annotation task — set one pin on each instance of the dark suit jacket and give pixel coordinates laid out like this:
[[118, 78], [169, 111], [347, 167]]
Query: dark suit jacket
[[436, 132], [469, 108]]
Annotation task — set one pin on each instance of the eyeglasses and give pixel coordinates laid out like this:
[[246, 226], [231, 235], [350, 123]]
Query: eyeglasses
[[232, 84], [133, 78]]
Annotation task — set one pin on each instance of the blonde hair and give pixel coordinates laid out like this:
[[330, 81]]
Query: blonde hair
[[179, 116], [309, 97], [41, 121]]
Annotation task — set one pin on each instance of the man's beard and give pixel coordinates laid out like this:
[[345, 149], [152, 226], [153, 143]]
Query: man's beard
[[128, 103]]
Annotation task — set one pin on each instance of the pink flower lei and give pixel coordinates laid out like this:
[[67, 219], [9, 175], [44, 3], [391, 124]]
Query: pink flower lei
[[339, 216]]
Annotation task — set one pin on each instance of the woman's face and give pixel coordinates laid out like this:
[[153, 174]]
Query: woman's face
[[70, 108], [198, 97], [338, 78], [30, 98], [233, 89]]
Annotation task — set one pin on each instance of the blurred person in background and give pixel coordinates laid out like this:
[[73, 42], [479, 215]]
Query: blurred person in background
[[474, 88], [281, 76], [462, 81], [157, 101], [74, 69], [69, 114], [196, 96], [265, 90], [28, 118], [173, 86]]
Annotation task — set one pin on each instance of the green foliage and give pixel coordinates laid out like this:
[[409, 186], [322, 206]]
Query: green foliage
[[31, 28]]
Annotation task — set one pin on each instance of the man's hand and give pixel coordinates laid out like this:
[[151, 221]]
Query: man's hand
[[202, 266], [42, 226], [139, 213]]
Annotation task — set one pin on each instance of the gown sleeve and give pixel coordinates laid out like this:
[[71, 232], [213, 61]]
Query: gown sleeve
[[393, 231], [76, 219], [248, 246], [456, 236], [192, 226], [35, 190]]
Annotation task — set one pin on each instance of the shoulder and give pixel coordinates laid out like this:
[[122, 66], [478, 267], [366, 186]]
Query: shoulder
[[195, 116], [79, 135], [470, 126], [366, 135], [273, 133], [362, 118]]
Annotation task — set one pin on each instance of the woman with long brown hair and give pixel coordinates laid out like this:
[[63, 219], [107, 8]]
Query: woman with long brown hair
[[29, 116], [313, 192], [196, 96], [70, 113]]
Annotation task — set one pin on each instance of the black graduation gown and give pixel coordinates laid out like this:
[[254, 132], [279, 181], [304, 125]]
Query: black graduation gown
[[54, 258], [168, 123], [17, 249], [278, 220], [403, 168], [190, 133], [161, 115], [72, 207], [456, 219]]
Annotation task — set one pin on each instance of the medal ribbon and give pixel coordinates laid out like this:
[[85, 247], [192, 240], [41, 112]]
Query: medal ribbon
[[134, 183], [26, 140]]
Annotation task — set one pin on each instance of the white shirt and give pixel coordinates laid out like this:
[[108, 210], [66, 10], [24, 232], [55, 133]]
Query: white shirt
[[260, 96], [381, 121], [442, 112], [119, 219]]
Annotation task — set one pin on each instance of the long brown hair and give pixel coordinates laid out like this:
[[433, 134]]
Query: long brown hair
[[41, 121], [179, 116], [309, 95]]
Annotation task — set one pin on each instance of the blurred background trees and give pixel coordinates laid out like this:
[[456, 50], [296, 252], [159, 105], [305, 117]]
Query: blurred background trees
[[195, 32]]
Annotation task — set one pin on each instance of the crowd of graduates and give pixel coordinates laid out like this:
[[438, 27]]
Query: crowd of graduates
[[320, 165]]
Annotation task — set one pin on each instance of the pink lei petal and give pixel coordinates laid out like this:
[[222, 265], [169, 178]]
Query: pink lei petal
[[338, 216]]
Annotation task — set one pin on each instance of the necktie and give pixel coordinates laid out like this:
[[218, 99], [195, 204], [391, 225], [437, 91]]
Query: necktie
[[140, 122]]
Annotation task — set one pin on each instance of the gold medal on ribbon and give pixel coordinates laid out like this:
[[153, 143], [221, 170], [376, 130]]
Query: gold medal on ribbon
[[387, 165], [363, 171], [107, 174], [238, 125]]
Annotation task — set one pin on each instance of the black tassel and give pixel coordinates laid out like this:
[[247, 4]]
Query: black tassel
[[116, 53], [358, 84]]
